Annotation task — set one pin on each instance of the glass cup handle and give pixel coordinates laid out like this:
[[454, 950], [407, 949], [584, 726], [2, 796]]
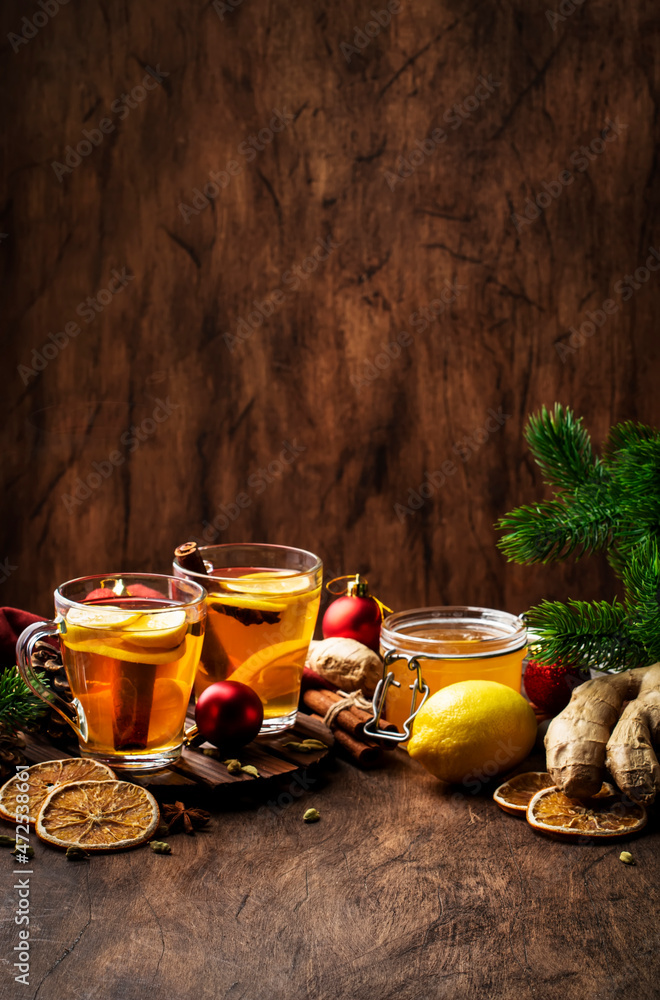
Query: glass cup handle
[[24, 649]]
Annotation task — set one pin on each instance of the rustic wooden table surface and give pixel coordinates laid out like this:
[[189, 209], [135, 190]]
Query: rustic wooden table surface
[[401, 890]]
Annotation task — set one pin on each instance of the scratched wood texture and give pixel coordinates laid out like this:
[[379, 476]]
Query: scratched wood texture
[[400, 891], [362, 430]]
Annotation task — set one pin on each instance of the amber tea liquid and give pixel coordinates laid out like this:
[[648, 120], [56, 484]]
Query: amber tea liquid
[[258, 629], [131, 675]]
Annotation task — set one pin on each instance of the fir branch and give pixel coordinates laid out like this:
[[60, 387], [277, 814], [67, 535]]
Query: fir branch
[[635, 483], [553, 530], [641, 578], [19, 707], [562, 448], [625, 435], [588, 635], [610, 504]]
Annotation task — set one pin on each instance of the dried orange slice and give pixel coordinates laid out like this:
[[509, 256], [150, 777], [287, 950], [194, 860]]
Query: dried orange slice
[[606, 814], [98, 815], [42, 778], [515, 795]]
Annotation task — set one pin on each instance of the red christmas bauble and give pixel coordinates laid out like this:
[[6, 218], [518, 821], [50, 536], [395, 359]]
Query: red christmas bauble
[[550, 685], [229, 713], [354, 618]]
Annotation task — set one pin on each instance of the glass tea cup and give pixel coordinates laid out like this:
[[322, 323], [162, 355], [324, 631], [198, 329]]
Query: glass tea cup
[[262, 602], [130, 646]]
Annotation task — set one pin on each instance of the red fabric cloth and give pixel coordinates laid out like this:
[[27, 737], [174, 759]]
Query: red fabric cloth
[[12, 623]]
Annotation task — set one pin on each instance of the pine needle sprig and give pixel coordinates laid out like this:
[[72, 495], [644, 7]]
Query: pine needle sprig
[[642, 582], [585, 634], [609, 504], [19, 707], [553, 530], [562, 448], [625, 435]]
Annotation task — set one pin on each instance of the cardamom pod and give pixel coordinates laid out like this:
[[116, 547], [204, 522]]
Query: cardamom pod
[[160, 847], [307, 746], [233, 766], [76, 854], [7, 841], [27, 852], [162, 830], [627, 858], [211, 752], [250, 769], [312, 816]]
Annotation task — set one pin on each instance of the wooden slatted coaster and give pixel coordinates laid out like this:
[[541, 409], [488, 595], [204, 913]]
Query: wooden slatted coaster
[[269, 754]]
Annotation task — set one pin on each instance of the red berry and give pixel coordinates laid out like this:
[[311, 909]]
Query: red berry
[[229, 713], [101, 594], [550, 685], [139, 590], [354, 618]]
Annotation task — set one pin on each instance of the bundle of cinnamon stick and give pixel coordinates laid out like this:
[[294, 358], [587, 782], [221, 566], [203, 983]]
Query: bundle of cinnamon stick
[[348, 728]]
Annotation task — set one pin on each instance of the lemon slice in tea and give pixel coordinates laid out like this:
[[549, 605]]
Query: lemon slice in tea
[[118, 648], [267, 584], [273, 671], [163, 630], [43, 778], [168, 710], [100, 617], [606, 814], [515, 795], [258, 602], [98, 815]]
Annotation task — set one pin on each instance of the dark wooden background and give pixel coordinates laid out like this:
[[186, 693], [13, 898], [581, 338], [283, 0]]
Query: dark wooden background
[[296, 378]]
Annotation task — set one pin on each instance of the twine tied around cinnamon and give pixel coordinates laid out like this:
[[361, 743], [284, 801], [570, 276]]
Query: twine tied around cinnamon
[[353, 700]]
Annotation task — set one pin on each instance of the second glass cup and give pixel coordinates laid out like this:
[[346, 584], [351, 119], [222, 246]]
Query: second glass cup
[[262, 605]]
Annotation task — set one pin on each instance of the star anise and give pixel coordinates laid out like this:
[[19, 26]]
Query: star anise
[[178, 817], [247, 616]]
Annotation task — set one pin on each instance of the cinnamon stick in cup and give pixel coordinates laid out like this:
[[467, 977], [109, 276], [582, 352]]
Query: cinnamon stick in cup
[[189, 557]]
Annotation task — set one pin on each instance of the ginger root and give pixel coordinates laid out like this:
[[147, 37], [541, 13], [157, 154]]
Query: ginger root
[[592, 732], [346, 663]]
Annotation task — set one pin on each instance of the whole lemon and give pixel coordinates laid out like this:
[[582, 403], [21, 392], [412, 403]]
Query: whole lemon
[[473, 729]]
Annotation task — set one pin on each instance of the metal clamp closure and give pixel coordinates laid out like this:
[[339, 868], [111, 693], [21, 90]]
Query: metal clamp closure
[[372, 727]]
